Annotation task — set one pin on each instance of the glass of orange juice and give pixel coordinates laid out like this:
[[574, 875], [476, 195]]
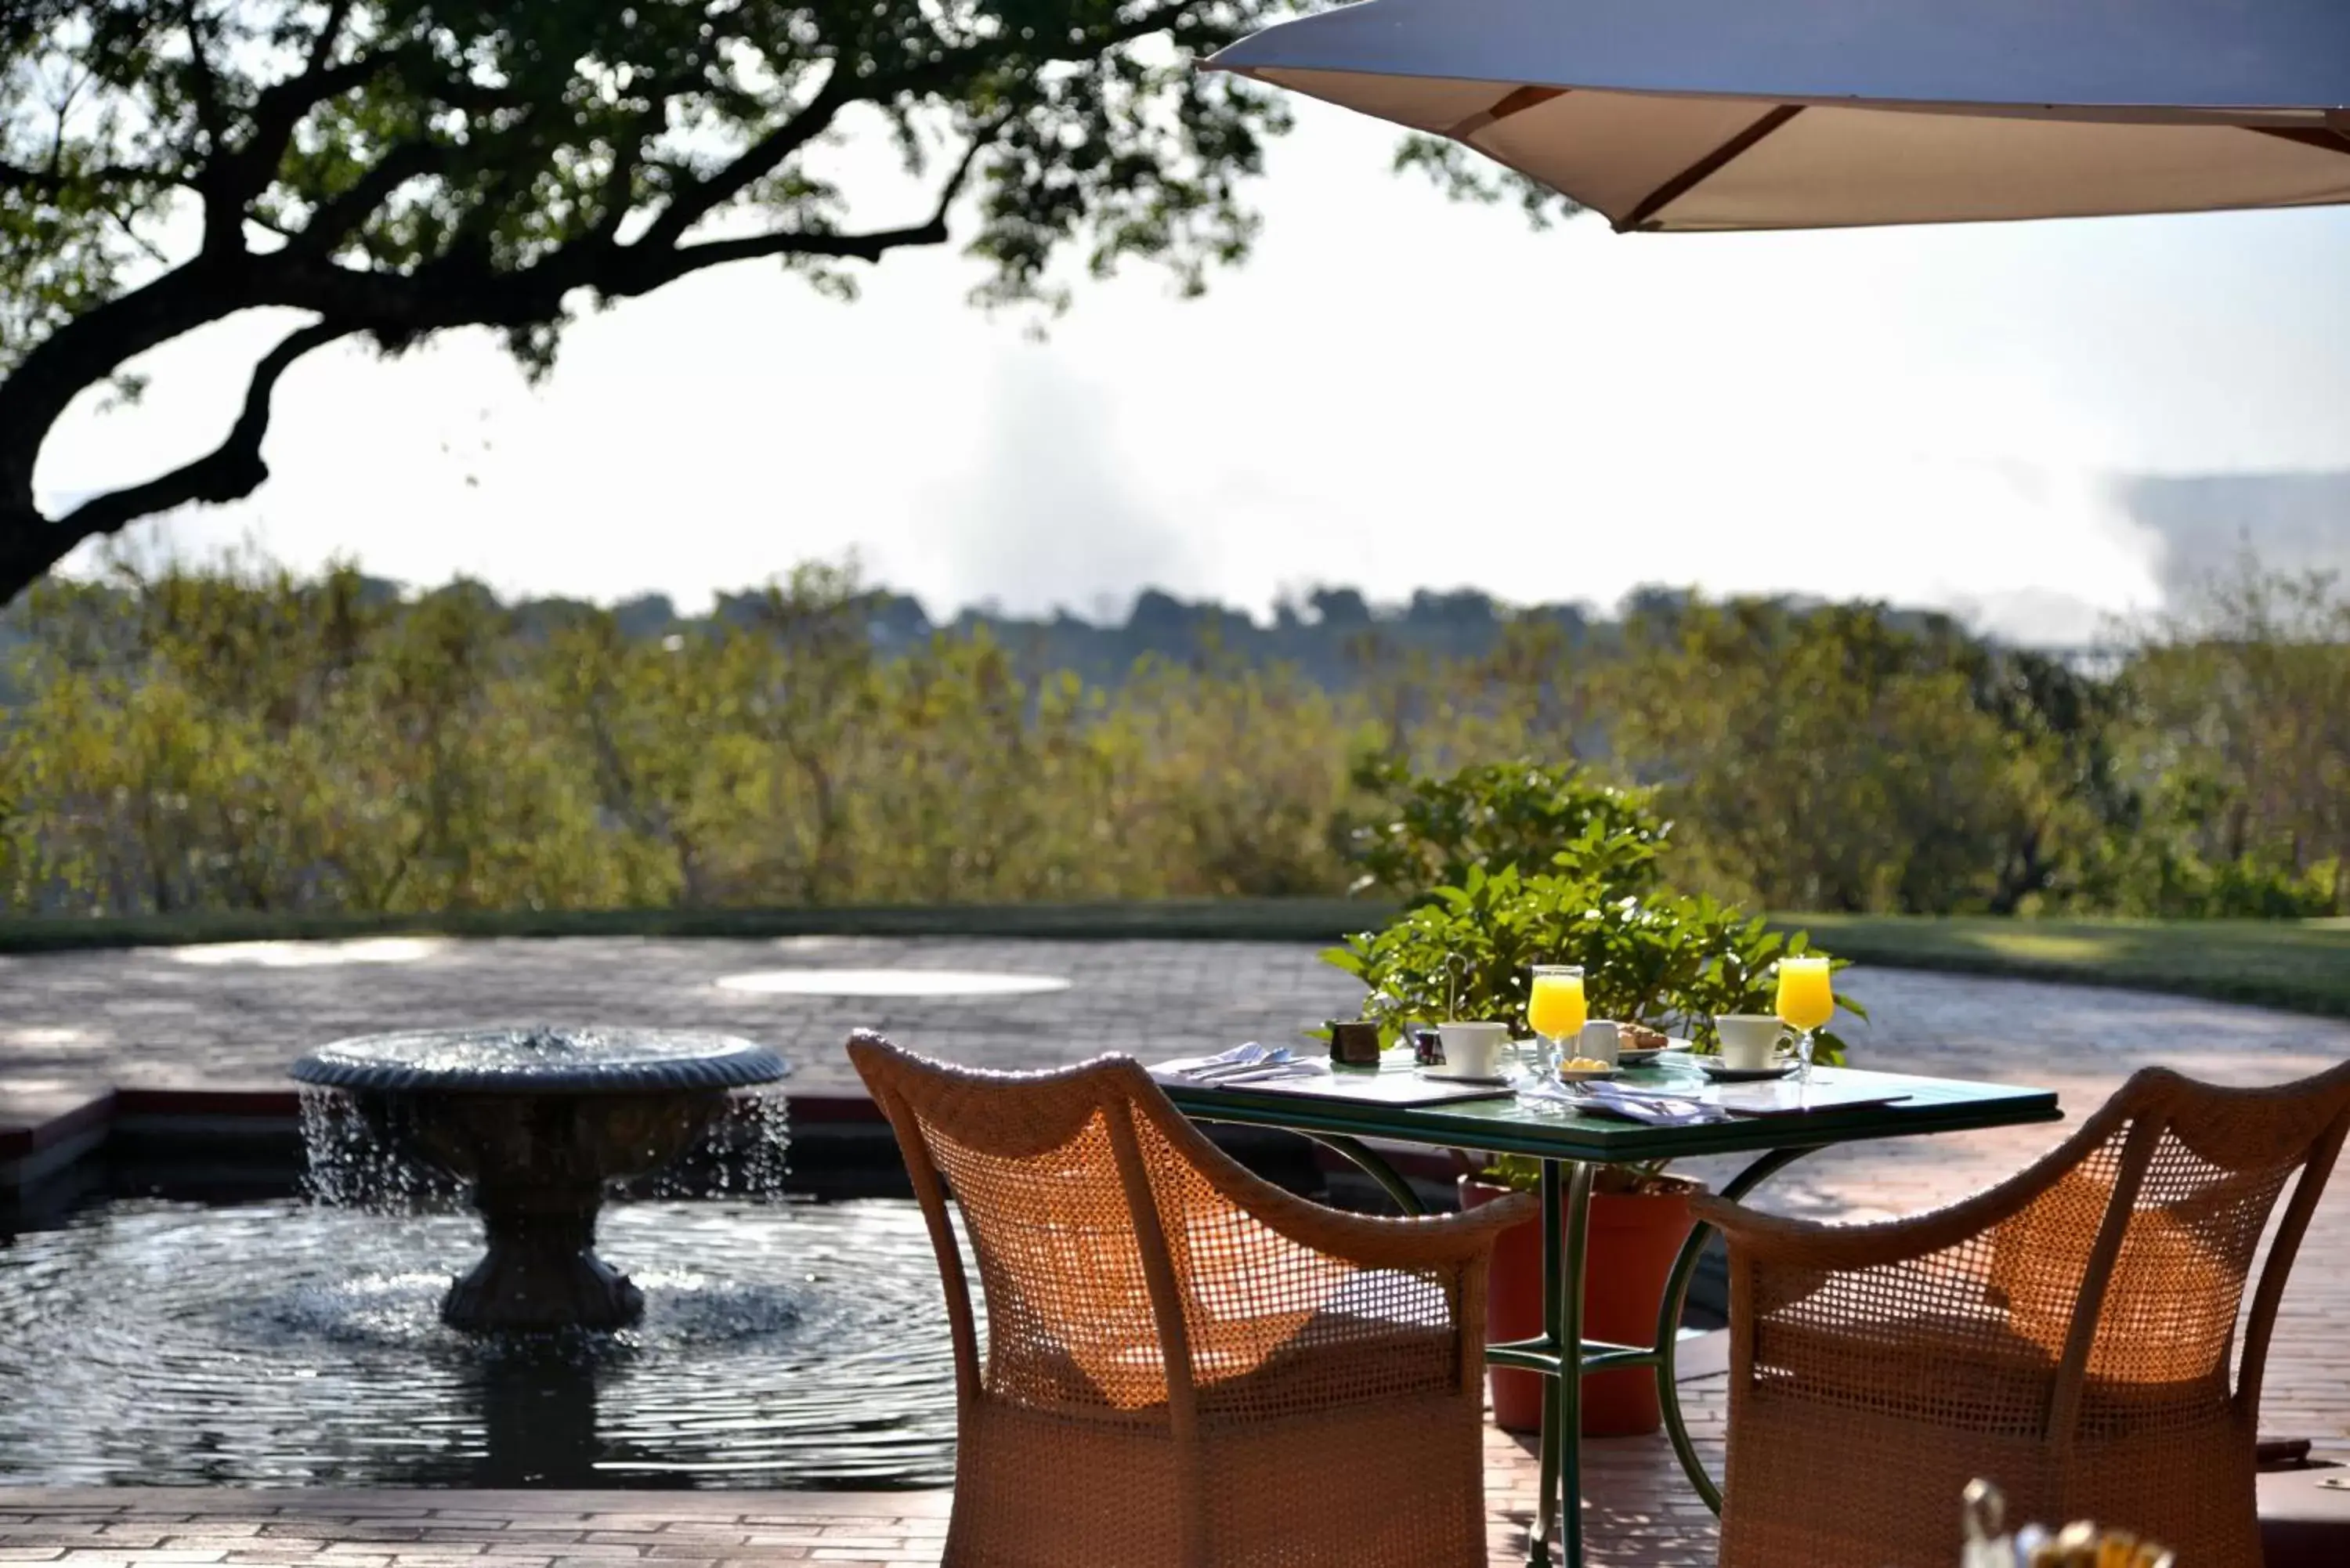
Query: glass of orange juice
[[1555, 1011], [1806, 1002]]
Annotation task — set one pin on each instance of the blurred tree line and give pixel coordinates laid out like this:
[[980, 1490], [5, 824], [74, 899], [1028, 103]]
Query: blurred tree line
[[231, 737]]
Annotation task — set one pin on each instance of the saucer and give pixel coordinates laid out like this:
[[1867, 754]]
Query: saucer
[[1722, 1075], [1588, 1074], [1675, 1046]]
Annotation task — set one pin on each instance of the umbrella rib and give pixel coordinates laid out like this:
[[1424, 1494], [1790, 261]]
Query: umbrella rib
[[1516, 101], [2325, 141], [1707, 167]]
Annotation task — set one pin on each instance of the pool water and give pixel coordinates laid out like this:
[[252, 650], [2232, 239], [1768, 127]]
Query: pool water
[[791, 1344]]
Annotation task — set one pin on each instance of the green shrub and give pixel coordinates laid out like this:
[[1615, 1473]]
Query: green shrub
[[1669, 961], [1548, 866], [1432, 832], [232, 737], [1465, 949]]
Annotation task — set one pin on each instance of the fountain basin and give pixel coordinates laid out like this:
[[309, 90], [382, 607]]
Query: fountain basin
[[539, 1125], [264, 1341]]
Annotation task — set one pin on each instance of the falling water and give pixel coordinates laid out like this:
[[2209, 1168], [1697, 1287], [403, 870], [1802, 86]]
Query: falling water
[[347, 1166], [745, 1156], [782, 1343]]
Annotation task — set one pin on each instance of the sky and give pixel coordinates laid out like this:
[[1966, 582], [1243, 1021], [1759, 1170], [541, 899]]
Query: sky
[[1396, 392]]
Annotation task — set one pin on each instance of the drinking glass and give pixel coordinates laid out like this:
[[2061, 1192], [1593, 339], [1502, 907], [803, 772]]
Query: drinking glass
[[1555, 1011], [1806, 1002]]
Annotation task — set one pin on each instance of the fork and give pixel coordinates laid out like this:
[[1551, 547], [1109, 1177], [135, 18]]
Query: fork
[[1276, 1058]]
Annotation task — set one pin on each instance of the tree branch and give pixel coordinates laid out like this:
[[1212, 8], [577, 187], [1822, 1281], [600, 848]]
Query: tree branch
[[87, 349], [54, 183], [956, 65], [330, 32], [767, 154], [281, 105], [762, 158], [459, 290], [209, 117], [223, 205], [242, 175], [121, 221], [871, 247], [337, 217], [228, 473], [867, 247], [628, 155]]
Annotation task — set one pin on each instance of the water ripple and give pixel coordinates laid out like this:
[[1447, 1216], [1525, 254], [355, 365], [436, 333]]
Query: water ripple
[[783, 1344]]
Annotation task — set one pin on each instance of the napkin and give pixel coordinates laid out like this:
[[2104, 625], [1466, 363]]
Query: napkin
[[1249, 1064], [1251, 1052], [1654, 1110]]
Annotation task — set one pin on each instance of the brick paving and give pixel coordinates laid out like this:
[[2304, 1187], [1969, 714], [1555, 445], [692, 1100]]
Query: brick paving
[[152, 1017], [79, 1023], [1634, 1519]]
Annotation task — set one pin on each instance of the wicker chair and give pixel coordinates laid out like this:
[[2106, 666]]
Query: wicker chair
[[1184, 1364], [2066, 1334]]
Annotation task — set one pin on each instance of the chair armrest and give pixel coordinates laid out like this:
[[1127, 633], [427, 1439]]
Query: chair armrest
[[1771, 1238], [1429, 1241], [1810, 1243], [1774, 1238], [1420, 1242]]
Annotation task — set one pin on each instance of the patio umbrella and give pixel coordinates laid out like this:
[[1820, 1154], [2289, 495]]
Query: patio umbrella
[[1744, 114]]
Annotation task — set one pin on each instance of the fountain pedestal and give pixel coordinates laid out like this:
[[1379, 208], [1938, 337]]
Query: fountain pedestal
[[541, 1270], [539, 1125]]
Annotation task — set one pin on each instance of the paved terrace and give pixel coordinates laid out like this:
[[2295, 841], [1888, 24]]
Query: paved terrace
[[78, 1024]]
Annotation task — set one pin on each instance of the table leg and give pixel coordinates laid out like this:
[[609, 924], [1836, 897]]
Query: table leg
[[1362, 1156], [1373, 1167], [1566, 1227], [1668, 1321]]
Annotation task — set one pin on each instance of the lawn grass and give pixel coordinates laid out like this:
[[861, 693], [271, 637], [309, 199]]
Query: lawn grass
[[1200, 919], [2300, 965]]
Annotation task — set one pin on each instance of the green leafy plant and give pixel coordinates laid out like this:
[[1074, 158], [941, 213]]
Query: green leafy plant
[[1465, 950], [1669, 961], [1431, 832], [1523, 1173]]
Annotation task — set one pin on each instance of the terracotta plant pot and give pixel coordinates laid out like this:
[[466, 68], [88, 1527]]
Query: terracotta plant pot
[[1634, 1238]]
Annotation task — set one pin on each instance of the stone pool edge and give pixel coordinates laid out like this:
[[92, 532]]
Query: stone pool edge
[[57, 1140], [44, 1131]]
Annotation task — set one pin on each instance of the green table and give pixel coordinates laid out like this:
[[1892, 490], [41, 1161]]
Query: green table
[[1571, 1145]]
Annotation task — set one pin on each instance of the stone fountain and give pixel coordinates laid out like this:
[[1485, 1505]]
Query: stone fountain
[[539, 1125]]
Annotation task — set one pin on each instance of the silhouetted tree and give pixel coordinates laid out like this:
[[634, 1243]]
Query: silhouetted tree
[[393, 169]]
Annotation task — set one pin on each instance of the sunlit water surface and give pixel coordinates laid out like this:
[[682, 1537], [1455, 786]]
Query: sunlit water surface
[[783, 1344]]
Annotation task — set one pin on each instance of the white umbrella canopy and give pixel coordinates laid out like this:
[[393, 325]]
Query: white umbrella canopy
[[1746, 114]]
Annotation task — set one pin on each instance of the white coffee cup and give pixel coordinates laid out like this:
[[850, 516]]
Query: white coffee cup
[[1600, 1041], [1749, 1039], [1472, 1050]]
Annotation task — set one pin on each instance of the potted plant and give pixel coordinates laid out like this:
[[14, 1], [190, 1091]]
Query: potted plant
[[1639, 1218], [1650, 956]]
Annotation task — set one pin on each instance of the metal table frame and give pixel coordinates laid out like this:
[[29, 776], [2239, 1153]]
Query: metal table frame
[[1570, 1148]]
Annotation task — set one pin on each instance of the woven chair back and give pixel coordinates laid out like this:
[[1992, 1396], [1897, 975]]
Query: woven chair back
[[1127, 1266], [1041, 1165], [2131, 1267]]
